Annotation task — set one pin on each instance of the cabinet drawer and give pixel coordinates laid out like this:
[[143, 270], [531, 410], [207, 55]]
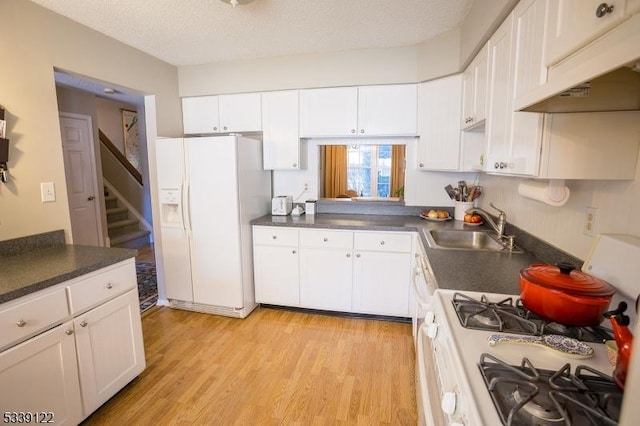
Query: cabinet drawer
[[99, 287], [275, 236], [382, 241], [32, 314], [324, 238]]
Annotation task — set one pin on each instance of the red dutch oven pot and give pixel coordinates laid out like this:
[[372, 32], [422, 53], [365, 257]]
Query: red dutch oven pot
[[564, 295]]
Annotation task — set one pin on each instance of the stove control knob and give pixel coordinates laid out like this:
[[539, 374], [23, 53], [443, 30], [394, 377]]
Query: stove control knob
[[432, 330], [449, 403], [429, 317]]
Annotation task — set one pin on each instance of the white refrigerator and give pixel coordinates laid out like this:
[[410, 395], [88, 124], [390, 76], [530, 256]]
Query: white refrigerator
[[209, 189]]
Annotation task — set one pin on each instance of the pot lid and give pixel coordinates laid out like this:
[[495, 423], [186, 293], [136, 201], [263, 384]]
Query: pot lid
[[566, 278]]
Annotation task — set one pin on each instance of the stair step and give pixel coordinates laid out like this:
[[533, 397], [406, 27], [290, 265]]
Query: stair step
[[117, 210], [122, 240], [122, 223]]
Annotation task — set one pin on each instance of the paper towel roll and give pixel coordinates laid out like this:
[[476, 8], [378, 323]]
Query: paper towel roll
[[552, 192]]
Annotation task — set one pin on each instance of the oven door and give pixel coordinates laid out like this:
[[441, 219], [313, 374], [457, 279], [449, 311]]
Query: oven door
[[428, 393]]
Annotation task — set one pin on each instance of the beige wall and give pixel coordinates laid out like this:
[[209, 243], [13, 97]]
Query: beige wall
[[36, 41], [484, 18]]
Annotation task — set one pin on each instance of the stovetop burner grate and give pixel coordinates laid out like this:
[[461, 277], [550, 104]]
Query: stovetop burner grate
[[509, 315], [525, 395]]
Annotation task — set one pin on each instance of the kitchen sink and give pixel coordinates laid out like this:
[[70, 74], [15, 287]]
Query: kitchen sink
[[456, 239]]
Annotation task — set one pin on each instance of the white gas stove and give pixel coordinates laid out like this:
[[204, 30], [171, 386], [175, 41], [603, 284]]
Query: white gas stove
[[452, 388]]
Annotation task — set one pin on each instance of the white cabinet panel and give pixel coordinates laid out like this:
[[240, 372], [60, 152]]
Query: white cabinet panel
[[325, 238], [388, 110], [475, 80], [381, 283], [276, 275], [101, 286], [385, 110], [110, 349], [41, 376], [31, 314], [240, 112], [200, 115], [326, 279], [329, 112], [574, 23], [439, 109], [280, 130], [222, 114]]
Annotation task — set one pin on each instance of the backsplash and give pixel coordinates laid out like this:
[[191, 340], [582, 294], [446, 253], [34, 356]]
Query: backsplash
[[17, 246], [618, 203]]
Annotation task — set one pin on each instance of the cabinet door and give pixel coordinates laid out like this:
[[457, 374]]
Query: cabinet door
[[388, 110], [475, 86], [382, 283], [240, 113], [326, 279], [329, 112], [281, 139], [439, 123], [276, 275], [529, 72], [498, 126], [200, 115], [110, 348], [40, 376], [574, 23]]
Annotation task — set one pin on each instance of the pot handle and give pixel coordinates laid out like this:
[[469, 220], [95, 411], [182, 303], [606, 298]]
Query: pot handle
[[565, 267]]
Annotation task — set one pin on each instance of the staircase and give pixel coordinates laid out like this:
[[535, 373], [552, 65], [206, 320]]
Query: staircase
[[123, 228]]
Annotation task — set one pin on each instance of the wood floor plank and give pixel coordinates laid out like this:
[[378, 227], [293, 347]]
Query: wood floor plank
[[276, 367]]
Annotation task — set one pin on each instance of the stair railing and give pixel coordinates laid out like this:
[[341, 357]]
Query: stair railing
[[120, 157]]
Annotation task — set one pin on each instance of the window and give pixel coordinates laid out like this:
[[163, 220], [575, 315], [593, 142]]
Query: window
[[369, 170]]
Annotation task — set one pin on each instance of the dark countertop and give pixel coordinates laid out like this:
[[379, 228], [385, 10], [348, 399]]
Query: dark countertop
[[38, 269], [483, 271]]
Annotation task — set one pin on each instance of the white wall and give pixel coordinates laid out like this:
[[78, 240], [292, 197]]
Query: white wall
[[618, 203], [37, 40]]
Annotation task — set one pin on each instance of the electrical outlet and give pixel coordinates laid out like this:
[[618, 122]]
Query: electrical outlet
[[306, 186], [591, 220], [47, 192]]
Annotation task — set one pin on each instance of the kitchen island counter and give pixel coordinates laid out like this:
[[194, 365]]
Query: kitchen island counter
[[28, 265], [482, 271]]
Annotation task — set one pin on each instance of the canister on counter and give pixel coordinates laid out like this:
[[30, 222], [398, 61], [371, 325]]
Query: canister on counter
[[310, 207]]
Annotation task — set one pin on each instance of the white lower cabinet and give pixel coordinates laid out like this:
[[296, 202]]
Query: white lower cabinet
[[336, 270], [71, 369], [110, 350], [326, 278], [382, 273], [40, 377]]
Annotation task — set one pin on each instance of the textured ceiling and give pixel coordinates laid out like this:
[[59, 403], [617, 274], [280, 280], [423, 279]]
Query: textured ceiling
[[189, 32]]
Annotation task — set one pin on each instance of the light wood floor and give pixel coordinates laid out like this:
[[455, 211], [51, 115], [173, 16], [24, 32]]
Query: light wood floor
[[146, 254], [276, 367]]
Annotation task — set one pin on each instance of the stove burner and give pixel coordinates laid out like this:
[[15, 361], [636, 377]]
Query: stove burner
[[542, 409], [525, 395], [509, 315]]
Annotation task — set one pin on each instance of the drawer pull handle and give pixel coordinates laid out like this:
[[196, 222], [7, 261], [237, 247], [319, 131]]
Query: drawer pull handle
[[109, 286], [358, 255], [382, 242], [293, 252], [21, 323], [348, 254], [83, 323], [68, 332], [325, 239], [275, 237]]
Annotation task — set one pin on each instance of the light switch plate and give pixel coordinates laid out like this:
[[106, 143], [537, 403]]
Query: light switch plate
[[47, 192]]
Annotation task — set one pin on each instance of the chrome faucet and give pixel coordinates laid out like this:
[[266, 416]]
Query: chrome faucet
[[497, 227]]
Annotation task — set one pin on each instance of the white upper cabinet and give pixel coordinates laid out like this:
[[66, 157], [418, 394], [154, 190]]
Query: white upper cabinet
[[389, 110], [222, 114], [329, 112], [439, 112], [474, 87], [200, 115], [386, 110], [281, 139], [574, 23]]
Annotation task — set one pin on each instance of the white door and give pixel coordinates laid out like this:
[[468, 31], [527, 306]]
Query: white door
[[40, 376], [281, 140], [276, 275], [388, 110], [329, 112], [110, 349], [81, 178]]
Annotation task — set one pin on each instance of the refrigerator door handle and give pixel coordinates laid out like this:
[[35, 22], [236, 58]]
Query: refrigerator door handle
[[184, 223]]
